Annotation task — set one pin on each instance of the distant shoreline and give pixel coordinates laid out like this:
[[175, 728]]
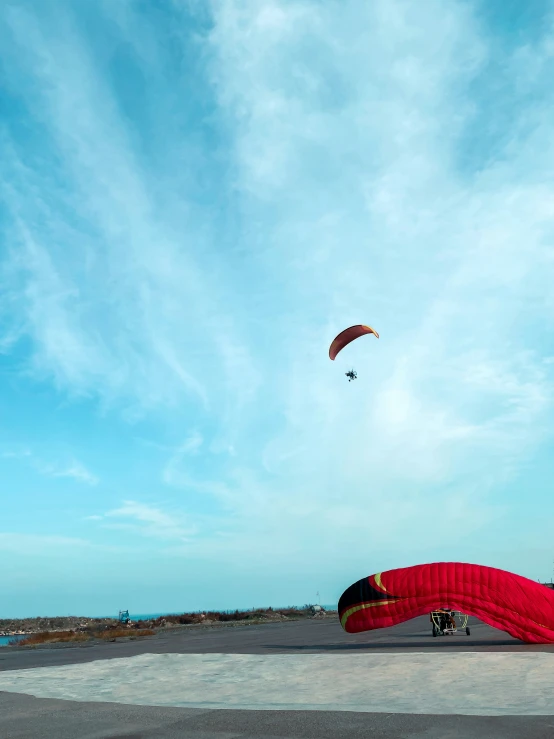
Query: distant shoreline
[[83, 628], [154, 615]]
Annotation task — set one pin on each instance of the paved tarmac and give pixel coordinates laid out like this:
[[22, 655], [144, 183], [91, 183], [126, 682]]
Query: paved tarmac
[[22, 715]]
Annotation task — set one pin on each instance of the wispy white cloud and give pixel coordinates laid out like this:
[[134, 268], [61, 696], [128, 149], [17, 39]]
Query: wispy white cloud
[[74, 469], [137, 317], [149, 521]]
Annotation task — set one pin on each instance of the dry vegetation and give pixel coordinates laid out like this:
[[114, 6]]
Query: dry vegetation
[[54, 637], [211, 617], [50, 637]]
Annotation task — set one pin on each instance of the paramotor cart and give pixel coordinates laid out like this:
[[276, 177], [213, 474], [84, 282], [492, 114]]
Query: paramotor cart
[[448, 622]]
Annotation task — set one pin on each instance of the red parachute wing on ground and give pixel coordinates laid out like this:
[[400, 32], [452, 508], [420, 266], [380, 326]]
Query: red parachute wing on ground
[[515, 604], [348, 335]]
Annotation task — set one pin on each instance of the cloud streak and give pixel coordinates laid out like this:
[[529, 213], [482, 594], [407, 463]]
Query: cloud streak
[[148, 521], [74, 470], [126, 319]]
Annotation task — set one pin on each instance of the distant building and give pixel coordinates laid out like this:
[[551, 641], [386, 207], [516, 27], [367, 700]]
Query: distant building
[[549, 585]]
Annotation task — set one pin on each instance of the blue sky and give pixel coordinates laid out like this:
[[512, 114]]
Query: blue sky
[[195, 198]]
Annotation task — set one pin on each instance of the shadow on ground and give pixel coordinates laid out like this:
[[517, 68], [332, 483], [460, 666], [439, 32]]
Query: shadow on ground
[[441, 643]]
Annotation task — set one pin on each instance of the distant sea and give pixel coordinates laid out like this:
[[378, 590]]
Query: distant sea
[[5, 640]]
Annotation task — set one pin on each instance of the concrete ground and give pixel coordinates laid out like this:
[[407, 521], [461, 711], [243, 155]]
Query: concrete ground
[[292, 679]]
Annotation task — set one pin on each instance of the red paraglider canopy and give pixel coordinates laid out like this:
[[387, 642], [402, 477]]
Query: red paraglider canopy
[[523, 608], [348, 335]]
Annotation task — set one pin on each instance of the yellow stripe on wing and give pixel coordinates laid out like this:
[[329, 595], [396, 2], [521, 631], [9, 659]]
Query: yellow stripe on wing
[[379, 582], [346, 615]]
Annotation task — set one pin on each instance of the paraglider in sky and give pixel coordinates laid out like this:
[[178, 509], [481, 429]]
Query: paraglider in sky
[[515, 604], [344, 338], [348, 335]]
